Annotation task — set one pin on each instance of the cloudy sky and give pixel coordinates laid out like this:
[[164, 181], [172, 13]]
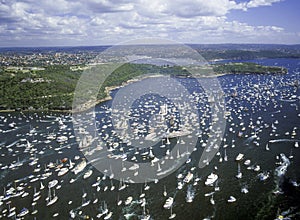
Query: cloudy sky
[[99, 22]]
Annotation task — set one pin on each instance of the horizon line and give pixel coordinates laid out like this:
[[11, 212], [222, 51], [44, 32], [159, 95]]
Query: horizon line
[[111, 45]]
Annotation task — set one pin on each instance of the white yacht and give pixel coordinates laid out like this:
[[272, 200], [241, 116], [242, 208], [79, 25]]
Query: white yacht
[[247, 162], [239, 157], [52, 183], [79, 167], [188, 177], [62, 171], [51, 201], [87, 174], [169, 202], [128, 200], [211, 179]]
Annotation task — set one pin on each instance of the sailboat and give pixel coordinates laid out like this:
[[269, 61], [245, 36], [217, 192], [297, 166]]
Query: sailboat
[[291, 154], [108, 216], [178, 154], [267, 147], [11, 211], [119, 200], [225, 155], [42, 186], [50, 200], [112, 186], [71, 164], [34, 210], [212, 201], [151, 155], [145, 216], [85, 202], [122, 185], [158, 167], [239, 174], [217, 188], [172, 215], [168, 141], [165, 192]]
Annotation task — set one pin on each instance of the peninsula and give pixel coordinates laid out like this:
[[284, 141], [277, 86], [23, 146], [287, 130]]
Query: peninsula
[[52, 87]]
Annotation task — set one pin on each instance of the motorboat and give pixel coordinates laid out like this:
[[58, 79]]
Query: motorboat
[[128, 200], [247, 162], [169, 202], [87, 174], [239, 157], [231, 199], [23, 212], [211, 179], [62, 171], [188, 177], [80, 167], [52, 183]]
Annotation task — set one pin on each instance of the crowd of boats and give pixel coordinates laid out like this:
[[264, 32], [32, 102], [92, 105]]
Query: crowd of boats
[[41, 158]]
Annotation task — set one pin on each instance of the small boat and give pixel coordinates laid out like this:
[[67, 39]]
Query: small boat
[[211, 179], [244, 190], [257, 168], [108, 216], [158, 167], [239, 157], [128, 200], [239, 174], [188, 177], [87, 174], [86, 203], [169, 202], [247, 162], [62, 171], [52, 183], [267, 147], [180, 185], [172, 215], [212, 201], [263, 176], [53, 200], [23, 212], [80, 167], [296, 144], [225, 156], [231, 199], [165, 192]]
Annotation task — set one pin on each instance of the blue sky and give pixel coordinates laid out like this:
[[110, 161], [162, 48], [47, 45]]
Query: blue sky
[[101, 22]]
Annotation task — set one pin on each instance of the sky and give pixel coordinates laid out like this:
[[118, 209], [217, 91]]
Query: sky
[[108, 22]]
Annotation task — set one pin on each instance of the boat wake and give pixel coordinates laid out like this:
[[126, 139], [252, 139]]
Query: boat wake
[[283, 140], [280, 172]]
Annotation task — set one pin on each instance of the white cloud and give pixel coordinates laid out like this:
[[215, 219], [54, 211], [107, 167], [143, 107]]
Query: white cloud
[[98, 22], [258, 3]]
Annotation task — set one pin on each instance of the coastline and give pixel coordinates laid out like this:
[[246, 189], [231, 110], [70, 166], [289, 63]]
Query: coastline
[[89, 105]]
